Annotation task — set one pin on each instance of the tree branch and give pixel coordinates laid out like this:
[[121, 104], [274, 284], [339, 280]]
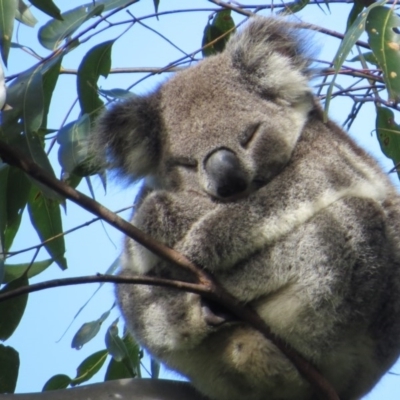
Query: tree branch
[[129, 389], [100, 278], [215, 291]]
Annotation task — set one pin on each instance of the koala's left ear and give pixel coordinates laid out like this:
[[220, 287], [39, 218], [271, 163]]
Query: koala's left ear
[[127, 137], [271, 56]]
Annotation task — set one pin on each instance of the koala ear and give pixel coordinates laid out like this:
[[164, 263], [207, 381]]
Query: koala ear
[[271, 55], [127, 137]]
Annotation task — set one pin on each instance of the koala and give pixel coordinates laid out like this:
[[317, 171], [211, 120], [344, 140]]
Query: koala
[[244, 177]]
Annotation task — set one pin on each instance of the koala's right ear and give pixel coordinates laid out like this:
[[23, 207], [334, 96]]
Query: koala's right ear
[[127, 139]]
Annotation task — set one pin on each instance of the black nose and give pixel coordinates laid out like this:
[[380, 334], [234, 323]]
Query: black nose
[[226, 174]]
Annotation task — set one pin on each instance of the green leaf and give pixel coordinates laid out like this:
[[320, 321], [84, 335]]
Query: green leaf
[[45, 216], [15, 271], [111, 4], [388, 133], [31, 145], [24, 15], [26, 97], [48, 7], [351, 37], [368, 57], [119, 94], [221, 24], [117, 370], [358, 6], [33, 107], [55, 31], [385, 44], [9, 367], [88, 331], [18, 188], [4, 169], [114, 343], [156, 4], [50, 78], [57, 382], [133, 353], [129, 366], [73, 153], [8, 8], [295, 7], [11, 311], [96, 62], [89, 367]]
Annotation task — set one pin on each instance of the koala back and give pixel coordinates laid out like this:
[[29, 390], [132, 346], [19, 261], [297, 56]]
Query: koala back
[[244, 177]]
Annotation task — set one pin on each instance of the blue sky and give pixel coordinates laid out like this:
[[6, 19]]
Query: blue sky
[[94, 248]]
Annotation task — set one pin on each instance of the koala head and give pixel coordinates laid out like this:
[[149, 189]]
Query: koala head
[[224, 127]]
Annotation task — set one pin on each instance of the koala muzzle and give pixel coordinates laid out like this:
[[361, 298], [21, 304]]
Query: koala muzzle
[[225, 173]]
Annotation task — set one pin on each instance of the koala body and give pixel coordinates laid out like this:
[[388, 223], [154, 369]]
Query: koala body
[[244, 177]]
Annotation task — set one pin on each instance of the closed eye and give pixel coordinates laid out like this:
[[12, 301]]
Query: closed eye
[[248, 135], [186, 162]]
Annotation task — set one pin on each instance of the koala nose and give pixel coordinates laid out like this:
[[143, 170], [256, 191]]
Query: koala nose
[[226, 173]]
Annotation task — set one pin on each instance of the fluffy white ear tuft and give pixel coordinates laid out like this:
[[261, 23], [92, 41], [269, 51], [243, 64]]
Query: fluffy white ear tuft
[[127, 137], [272, 57]]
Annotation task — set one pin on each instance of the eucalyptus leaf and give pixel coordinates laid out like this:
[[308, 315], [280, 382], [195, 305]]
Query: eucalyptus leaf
[[48, 7], [88, 331], [96, 62], [50, 77], [73, 154], [388, 133], [117, 94], [156, 4], [45, 216], [24, 15], [17, 192], [118, 370], [368, 57], [114, 343], [8, 9], [89, 367], [31, 145], [15, 271], [385, 44], [129, 365], [295, 6], [57, 382], [358, 6], [33, 107], [4, 169], [9, 368], [134, 354], [12, 310], [352, 35], [52, 34], [29, 104]]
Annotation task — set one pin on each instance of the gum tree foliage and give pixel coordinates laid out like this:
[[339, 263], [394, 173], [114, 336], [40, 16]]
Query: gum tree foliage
[[363, 70]]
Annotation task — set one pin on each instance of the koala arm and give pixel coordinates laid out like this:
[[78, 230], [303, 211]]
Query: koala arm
[[166, 217], [250, 224], [162, 318]]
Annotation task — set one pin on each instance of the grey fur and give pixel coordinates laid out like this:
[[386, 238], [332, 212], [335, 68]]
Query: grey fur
[[245, 179]]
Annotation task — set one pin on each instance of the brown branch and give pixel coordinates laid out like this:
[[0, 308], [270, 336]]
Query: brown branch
[[204, 280], [100, 278]]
